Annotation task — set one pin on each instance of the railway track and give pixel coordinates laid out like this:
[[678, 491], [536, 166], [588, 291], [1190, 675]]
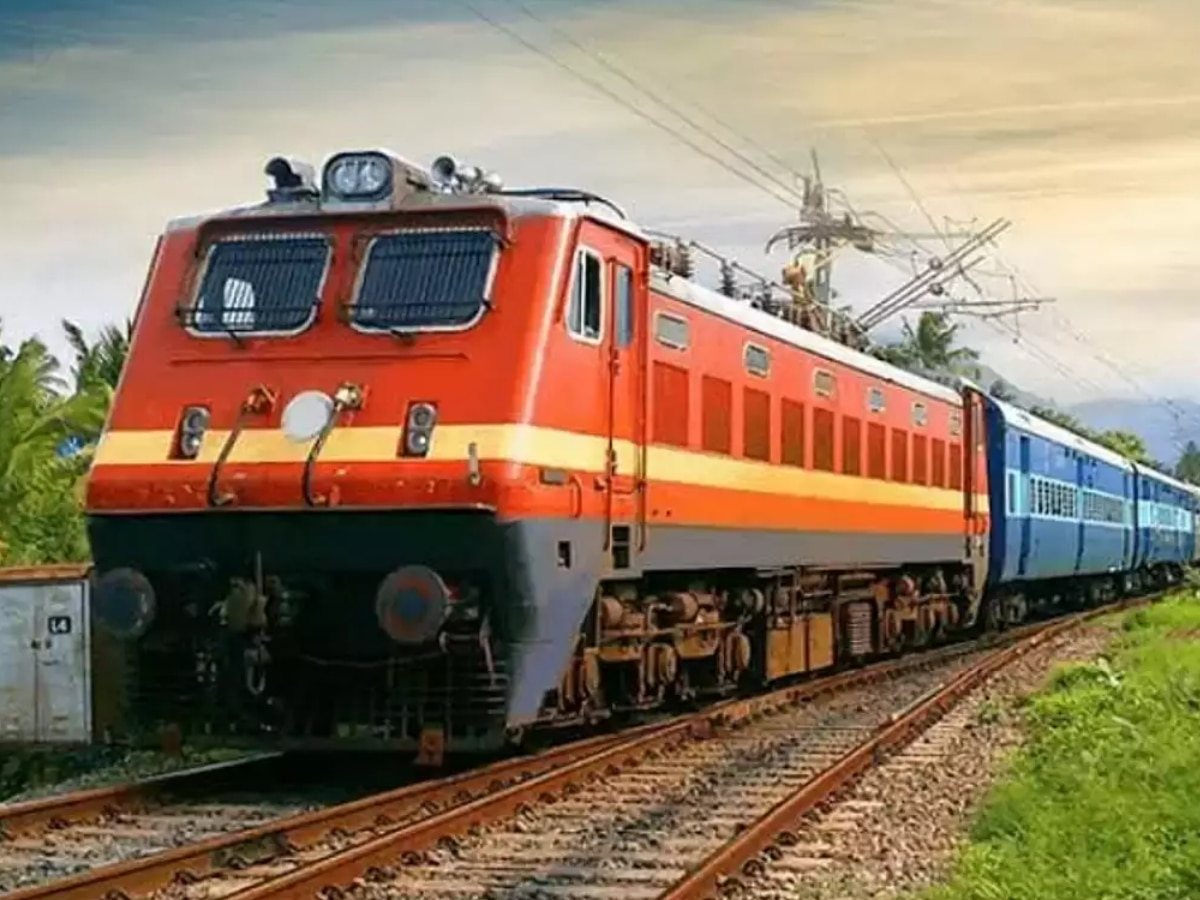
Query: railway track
[[64, 834], [669, 809]]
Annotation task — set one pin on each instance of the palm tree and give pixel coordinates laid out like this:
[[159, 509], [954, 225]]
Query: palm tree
[[97, 370], [101, 362], [39, 514], [932, 345], [931, 348]]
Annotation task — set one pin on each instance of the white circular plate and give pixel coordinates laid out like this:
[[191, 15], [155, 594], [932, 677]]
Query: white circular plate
[[305, 416]]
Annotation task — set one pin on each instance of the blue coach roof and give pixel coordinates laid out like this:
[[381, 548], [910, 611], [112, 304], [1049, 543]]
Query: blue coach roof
[[1155, 475], [1015, 416]]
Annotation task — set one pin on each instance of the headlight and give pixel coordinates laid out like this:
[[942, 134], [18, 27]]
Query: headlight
[[306, 416], [358, 176]]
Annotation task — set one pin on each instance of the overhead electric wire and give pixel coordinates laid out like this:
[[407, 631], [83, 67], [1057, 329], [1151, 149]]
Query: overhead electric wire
[[617, 98], [775, 185], [654, 97]]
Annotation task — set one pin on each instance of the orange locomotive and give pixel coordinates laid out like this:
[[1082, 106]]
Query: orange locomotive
[[408, 456]]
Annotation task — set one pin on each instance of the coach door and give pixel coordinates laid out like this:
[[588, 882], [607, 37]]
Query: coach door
[[626, 418]]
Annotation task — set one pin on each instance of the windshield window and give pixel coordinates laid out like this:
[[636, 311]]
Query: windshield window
[[260, 284], [427, 279]]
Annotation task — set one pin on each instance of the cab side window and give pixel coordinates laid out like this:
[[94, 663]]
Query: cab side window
[[623, 298], [585, 317]]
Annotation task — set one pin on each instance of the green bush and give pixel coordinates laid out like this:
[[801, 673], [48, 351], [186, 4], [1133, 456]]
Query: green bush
[[1103, 802]]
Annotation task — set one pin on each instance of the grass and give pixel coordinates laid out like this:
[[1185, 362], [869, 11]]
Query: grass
[[1103, 801]]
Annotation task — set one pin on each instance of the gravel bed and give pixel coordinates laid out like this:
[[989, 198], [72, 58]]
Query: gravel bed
[[898, 829], [29, 860], [633, 834]]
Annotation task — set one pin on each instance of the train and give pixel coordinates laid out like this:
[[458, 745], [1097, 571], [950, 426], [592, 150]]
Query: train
[[403, 459]]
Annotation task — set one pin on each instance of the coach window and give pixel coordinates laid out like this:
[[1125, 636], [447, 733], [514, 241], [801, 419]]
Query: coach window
[[623, 298], [875, 400], [671, 331], [956, 422], [585, 320], [757, 360]]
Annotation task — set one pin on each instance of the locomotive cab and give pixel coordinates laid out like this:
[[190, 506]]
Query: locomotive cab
[[320, 509]]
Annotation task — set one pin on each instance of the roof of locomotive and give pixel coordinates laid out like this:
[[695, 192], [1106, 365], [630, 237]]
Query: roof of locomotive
[[681, 289], [1020, 418]]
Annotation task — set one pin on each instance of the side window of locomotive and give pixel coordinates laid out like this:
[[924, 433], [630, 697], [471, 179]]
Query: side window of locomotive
[[586, 316], [623, 298], [671, 331], [262, 284]]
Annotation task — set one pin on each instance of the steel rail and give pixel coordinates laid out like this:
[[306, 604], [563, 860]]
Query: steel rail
[[753, 848]]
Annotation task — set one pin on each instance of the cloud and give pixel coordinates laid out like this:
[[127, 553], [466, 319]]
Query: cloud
[[1077, 119]]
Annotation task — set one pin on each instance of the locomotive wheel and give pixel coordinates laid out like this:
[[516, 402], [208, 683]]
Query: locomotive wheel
[[664, 664]]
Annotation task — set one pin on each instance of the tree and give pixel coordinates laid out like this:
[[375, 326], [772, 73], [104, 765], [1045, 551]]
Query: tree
[[1188, 467], [1127, 444], [103, 361], [932, 346], [40, 517], [1002, 392], [96, 371]]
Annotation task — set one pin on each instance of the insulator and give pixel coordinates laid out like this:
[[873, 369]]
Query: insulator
[[684, 263], [728, 280]]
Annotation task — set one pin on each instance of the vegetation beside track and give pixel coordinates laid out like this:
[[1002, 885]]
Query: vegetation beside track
[[1103, 800]]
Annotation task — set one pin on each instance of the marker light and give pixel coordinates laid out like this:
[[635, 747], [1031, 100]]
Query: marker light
[[359, 176], [418, 428], [192, 425]]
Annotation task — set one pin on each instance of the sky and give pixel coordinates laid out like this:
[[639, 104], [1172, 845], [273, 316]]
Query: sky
[[1079, 120]]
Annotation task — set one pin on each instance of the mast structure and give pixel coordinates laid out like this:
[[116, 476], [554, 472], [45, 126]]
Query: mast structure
[[822, 233]]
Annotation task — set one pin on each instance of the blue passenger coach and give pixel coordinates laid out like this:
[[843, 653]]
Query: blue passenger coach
[[1166, 527], [1061, 506], [1194, 491]]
